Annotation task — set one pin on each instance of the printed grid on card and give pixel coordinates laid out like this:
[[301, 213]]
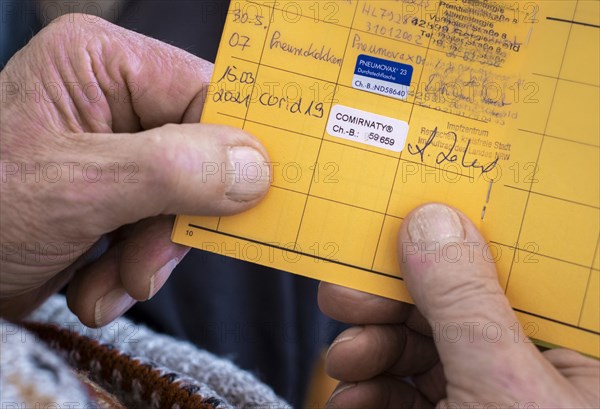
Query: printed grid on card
[[371, 108]]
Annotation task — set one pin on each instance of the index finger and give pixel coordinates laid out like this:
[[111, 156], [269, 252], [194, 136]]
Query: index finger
[[360, 308], [105, 78]]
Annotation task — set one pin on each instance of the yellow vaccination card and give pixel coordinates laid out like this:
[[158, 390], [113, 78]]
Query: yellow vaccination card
[[371, 108]]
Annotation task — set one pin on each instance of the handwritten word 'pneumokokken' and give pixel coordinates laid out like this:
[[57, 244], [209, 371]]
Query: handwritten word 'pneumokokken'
[[311, 52]]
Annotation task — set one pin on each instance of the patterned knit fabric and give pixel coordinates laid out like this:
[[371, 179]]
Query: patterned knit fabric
[[67, 365]]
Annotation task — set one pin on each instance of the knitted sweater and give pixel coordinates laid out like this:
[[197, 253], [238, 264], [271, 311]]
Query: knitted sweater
[[53, 361]]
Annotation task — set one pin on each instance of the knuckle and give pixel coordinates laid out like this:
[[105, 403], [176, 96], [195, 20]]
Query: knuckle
[[65, 26], [73, 33]]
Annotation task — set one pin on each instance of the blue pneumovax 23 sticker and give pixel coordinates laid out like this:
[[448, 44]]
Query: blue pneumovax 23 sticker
[[382, 77]]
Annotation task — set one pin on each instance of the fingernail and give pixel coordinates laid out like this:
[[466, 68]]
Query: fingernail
[[158, 279], [342, 387], [248, 175], [112, 306], [345, 336], [435, 223]]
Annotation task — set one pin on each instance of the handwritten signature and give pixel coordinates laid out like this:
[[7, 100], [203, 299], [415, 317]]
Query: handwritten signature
[[450, 156]]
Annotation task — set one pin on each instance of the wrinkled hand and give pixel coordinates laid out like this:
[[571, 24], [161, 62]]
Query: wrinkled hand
[[476, 356], [89, 166]]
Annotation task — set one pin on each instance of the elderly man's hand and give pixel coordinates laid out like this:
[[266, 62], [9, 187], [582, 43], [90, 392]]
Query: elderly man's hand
[[90, 168], [477, 355]]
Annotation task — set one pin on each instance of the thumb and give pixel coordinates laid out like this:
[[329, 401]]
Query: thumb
[[174, 169], [481, 345]]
